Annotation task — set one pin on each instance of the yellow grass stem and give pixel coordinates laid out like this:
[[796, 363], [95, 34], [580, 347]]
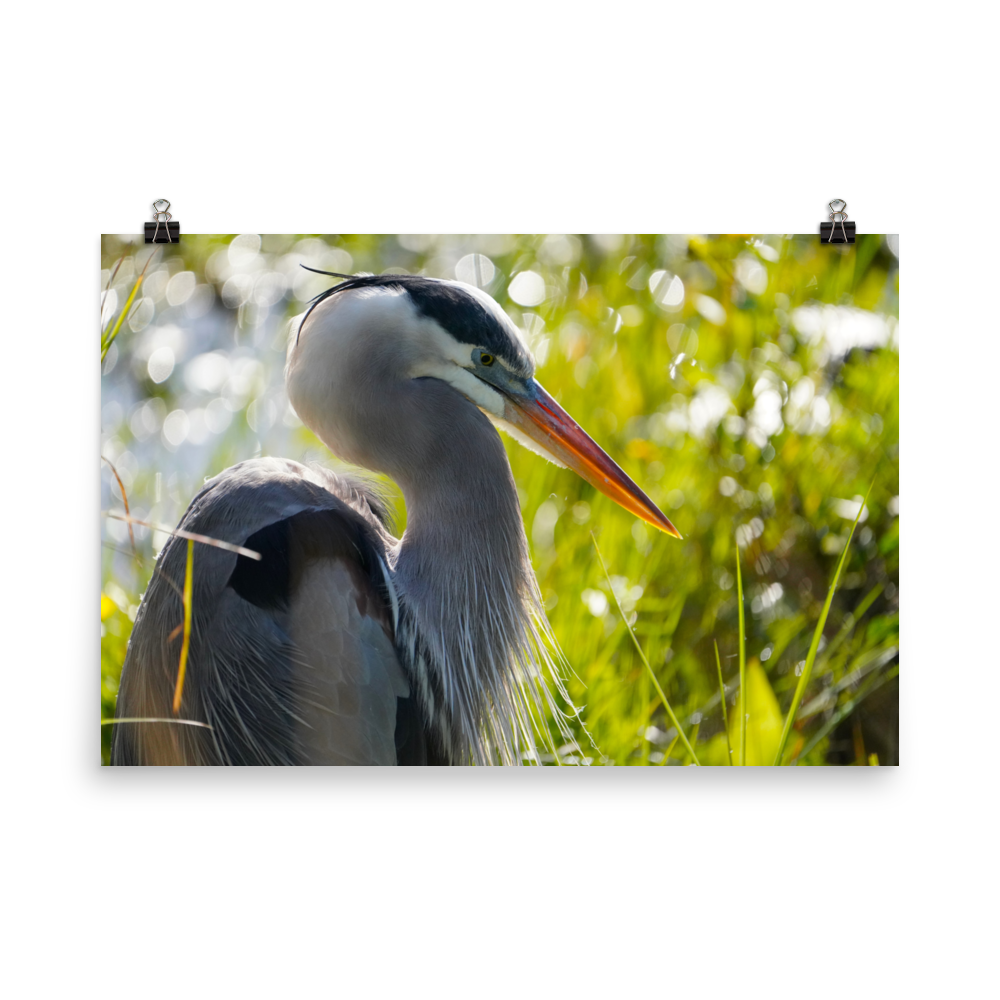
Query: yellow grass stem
[[186, 644], [107, 341], [744, 697]]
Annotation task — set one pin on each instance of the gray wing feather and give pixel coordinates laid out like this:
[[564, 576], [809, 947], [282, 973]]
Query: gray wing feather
[[295, 666], [348, 676]]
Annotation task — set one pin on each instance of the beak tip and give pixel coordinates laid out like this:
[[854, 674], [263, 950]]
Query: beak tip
[[543, 420], [662, 522]]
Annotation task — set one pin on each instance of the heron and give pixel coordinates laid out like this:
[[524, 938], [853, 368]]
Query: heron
[[342, 644]]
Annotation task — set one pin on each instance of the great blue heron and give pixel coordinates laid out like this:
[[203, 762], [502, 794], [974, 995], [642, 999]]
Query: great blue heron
[[343, 644]]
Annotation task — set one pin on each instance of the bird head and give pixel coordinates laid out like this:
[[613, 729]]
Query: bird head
[[373, 329]]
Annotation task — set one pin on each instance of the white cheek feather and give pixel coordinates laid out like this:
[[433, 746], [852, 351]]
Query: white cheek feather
[[442, 356], [523, 439]]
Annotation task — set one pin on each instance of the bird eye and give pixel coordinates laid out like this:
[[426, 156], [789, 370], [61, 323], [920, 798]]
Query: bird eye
[[486, 359]]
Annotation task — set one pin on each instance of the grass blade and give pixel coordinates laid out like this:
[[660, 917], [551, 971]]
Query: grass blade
[[694, 733], [186, 644], [722, 696], [176, 722], [850, 623], [800, 688], [744, 696], [191, 536], [642, 656], [670, 749], [128, 513], [107, 341], [111, 278], [873, 683]]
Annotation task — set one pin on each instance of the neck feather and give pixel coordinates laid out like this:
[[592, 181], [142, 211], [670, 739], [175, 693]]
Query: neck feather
[[471, 624]]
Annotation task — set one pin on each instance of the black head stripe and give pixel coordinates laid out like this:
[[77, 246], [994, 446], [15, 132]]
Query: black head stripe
[[453, 308]]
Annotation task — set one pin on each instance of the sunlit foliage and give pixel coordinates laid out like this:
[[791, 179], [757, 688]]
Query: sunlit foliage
[[748, 384]]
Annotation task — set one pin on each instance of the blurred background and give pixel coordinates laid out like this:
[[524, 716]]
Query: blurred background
[[749, 384]]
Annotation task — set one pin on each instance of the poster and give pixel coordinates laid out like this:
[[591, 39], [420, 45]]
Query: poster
[[746, 386]]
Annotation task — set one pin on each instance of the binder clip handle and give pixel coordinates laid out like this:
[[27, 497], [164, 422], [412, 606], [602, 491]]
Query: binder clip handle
[[838, 215], [171, 231]]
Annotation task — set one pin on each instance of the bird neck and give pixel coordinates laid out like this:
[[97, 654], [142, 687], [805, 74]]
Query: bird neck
[[469, 605]]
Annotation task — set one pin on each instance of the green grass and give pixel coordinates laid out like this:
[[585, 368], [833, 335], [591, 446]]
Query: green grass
[[722, 703], [645, 662], [642, 376], [744, 700], [806, 676]]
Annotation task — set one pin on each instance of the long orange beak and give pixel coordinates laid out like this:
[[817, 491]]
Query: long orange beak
[[542, 419]]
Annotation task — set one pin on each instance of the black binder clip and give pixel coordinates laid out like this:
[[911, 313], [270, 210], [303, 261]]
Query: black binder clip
[[161, 229], [838, 215]]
